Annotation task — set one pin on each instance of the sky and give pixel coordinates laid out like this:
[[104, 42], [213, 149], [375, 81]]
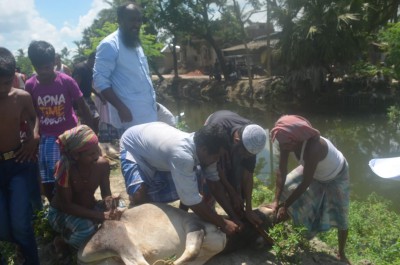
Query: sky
[[57, 22]]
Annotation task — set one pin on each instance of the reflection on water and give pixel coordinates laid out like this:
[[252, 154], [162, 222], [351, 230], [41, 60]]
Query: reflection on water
[[359, 137]]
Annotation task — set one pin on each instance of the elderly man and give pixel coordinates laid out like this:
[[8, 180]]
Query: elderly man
[[160, 164], [121, 72], [238, 163]]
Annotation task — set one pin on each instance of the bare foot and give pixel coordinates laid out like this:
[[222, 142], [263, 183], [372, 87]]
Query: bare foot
[[343, 258], [61, 247]]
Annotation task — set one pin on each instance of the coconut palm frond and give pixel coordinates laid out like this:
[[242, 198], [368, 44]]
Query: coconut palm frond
[[312, 31], [349, 17]]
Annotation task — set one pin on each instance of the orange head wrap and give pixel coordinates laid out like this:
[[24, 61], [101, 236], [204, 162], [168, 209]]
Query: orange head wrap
[[292, 128]]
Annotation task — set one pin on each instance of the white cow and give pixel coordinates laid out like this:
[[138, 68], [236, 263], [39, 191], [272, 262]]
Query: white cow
[[154, 232]]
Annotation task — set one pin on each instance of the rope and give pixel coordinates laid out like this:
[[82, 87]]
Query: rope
[[163, 262]]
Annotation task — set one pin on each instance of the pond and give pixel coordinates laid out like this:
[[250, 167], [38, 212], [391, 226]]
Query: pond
[[360, 137]]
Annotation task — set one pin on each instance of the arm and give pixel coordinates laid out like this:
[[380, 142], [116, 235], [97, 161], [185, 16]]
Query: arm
[[247, 184], [236, 199], [280, 177], [30, 145], [218, 191], [123, 111], [105, 189], [204, 212], [66, 205], [105, 64], [311, 159], [111, 209], [85, 112]]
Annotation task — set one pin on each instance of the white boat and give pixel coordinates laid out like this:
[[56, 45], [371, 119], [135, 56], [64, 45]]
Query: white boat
[[388, 168]]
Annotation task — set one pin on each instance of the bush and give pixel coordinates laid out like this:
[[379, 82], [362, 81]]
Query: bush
[[289, 242], [261, 193], [393, 114]]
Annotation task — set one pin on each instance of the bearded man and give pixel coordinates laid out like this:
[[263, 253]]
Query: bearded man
[[121, 72]]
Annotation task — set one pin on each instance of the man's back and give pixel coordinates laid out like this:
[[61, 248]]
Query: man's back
[[229, 120], [157, 145]]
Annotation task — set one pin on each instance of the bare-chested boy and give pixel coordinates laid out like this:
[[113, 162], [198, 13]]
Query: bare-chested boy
[[74, 211], [15, 208]]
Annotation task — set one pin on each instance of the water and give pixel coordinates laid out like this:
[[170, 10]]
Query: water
[[360, 137]]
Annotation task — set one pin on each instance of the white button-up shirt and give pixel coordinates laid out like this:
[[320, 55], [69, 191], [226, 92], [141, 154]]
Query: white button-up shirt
[[126, 71], [157, 146]]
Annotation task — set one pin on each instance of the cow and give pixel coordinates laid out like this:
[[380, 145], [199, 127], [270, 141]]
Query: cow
[[153, 232]]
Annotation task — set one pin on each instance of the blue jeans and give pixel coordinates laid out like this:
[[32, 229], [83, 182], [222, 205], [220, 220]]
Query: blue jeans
[[16, 209]]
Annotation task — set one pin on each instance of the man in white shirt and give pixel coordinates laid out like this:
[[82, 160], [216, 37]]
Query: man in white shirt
[[160, 164], [121, 72]]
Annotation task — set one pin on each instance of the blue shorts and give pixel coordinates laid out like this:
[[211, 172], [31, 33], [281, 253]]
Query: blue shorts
[[49, 154], [160, 187], [74, 230]]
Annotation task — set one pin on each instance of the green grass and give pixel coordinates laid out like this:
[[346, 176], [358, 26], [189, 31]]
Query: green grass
[[374, 232]]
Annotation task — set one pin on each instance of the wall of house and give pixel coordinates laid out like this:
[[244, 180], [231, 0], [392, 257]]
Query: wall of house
[[201, 58]]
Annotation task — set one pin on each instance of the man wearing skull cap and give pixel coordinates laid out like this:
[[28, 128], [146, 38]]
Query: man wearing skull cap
[[236, 166]]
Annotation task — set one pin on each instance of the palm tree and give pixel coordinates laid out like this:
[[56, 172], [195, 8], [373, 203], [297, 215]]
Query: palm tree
[[316, 34]]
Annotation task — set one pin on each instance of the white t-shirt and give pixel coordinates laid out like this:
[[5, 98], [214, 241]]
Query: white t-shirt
[[157, 146], [330, 166]]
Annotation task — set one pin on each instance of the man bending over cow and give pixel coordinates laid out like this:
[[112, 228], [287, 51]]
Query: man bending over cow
[[238, 163], [74, 211], [160, 164]]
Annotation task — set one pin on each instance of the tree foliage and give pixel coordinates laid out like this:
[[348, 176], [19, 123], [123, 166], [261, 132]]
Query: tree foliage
[[105, 24], [390, 37], [24, 63]]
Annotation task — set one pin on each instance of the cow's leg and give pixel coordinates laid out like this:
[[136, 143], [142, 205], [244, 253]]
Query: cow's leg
[[214, 242], [194, 241], [111, 240], [201, 245]]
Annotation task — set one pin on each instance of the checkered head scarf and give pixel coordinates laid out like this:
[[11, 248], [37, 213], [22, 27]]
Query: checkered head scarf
[[78, 139], [292, 128]]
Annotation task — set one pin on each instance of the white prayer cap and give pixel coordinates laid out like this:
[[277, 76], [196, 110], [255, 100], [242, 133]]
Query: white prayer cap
[[254, 138]]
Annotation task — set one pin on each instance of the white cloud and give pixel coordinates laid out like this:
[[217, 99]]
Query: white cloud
[[21, 23], [75, 32]]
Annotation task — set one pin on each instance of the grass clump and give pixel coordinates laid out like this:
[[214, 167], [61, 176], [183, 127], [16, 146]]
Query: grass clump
[[289, 241]]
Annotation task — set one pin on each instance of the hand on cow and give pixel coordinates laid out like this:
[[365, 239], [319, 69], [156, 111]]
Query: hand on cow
[[274, 207], [114, 214], [230, 227], [282, 214]]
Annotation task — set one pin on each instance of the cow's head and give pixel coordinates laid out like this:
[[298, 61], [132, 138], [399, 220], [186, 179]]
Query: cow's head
[[249, 234]]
